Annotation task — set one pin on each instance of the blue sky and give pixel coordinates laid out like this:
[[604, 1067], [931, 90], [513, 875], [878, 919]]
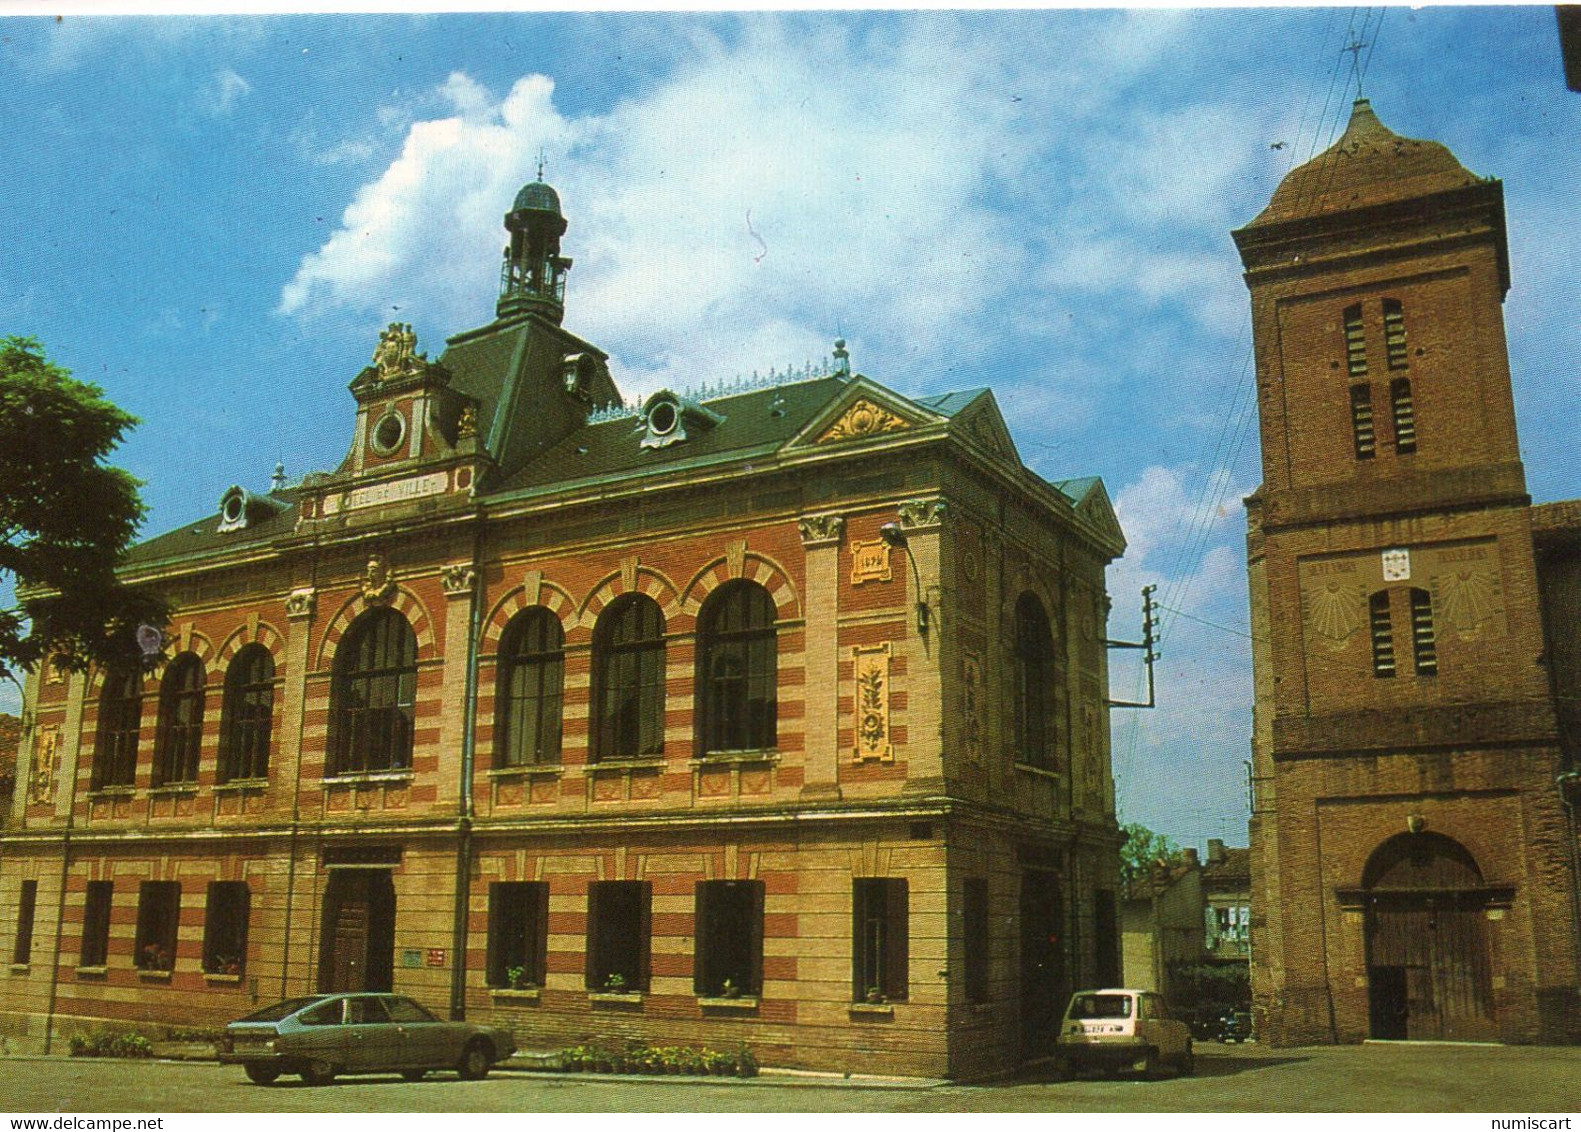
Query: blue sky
[[213, 217]]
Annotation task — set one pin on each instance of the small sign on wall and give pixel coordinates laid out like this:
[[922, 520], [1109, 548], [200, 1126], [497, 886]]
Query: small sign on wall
[[436, 957], [411, 957]]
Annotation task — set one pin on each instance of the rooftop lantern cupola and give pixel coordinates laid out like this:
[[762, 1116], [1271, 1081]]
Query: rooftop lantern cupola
[[532, 279]]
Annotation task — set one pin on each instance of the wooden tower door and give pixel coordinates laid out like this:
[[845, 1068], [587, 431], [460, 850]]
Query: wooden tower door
[[1428, 971]]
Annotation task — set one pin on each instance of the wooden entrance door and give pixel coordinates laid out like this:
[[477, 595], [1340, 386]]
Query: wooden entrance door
[[357, 952], [1428, 969]]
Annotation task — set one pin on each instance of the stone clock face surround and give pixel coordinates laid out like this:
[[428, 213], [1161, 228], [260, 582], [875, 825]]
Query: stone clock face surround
[[389, 433]]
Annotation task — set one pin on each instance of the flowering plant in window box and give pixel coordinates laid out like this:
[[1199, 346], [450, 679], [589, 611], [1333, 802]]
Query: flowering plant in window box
[[516, 978], [224, 965], [730, 989], [875, 995], [156, 958], [616, 983]]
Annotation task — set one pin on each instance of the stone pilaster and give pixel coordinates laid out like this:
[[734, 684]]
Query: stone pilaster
[[24, 752], [460, 583], [300, 608], [922, 521], [70, 744], [821, 536]]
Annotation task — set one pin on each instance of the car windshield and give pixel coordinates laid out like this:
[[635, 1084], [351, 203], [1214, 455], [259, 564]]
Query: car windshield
[[279, 1010], [1101, 1006]]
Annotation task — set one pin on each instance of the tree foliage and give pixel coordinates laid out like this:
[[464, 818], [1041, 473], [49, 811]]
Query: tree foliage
[[65, 518], [1141, 848]]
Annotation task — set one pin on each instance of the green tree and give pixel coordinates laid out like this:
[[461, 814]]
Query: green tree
[[65, 518], [1141, 848]]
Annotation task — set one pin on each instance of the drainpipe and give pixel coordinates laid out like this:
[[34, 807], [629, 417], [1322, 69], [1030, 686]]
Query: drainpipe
[[458, 938]]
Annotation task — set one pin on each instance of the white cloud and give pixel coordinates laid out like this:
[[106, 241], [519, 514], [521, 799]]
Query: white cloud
[[901, 213], [225, 91]]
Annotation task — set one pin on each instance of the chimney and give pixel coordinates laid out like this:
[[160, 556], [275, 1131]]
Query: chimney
[[1192, 860], [1215, 851]]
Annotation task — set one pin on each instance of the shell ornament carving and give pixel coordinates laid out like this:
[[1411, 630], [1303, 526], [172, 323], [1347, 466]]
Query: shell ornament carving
[[1468, 598], [863, 418], [1336, 611]]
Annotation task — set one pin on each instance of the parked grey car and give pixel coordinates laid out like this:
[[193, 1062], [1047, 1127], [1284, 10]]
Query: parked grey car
[[322, 1035]]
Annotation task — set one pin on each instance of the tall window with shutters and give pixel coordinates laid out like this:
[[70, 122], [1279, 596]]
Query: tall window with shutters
[[1382, 629]]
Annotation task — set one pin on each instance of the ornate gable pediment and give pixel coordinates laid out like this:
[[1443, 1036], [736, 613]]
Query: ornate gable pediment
[[863, 418], [862, 411], [984, 426], [1098, 511]]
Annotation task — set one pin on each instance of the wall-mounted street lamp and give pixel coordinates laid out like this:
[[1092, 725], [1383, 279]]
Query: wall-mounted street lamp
[[895, 537]]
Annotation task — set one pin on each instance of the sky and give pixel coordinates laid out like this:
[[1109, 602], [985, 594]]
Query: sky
[[212, 218]]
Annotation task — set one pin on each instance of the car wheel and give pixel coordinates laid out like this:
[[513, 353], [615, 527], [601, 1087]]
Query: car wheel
[[475, 1061], [318, 1072], [1062, 1069], [1149, 1065], [414, 1074], [260, 1074], [1188, 1062]]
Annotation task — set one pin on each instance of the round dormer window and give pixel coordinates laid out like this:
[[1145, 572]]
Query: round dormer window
[[231, 510], [388, 433], [663, 418]]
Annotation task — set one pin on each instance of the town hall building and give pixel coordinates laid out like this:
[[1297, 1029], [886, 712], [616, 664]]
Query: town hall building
[[776, 716]]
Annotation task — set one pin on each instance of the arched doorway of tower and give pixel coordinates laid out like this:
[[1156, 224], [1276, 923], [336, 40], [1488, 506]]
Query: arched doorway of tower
[[357, 942], [1428, 967]]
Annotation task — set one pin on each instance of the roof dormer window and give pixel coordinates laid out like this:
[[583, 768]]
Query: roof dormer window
[[666, 417], [240, 509]]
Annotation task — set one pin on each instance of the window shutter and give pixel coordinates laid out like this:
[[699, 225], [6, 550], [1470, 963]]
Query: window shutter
[[755, 985], [702, 935], [896, 953], [645, 934]]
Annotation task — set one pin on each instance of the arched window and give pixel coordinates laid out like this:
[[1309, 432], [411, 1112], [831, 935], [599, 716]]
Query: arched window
[[736, 669], [247, 715], [528, 696], [120, 718], [1034, 684], [180, 729], [628, 679], [373, 695]]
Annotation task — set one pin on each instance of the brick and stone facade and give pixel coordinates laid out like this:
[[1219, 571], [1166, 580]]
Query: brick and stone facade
[[916, 836], [1412, 853]]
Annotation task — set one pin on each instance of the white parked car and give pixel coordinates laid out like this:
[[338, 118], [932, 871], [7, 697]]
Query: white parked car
[[1119, 1029]]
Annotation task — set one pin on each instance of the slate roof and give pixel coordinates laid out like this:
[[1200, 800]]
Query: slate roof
[[755, 423], [204, 535], [610, 449]]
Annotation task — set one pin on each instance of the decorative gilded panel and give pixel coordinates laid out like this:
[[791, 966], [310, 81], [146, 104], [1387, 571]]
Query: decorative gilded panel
[[863, 418], [870, 673], [46, 756]]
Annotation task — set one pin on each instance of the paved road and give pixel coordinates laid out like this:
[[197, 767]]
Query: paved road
[[1398, 1078]]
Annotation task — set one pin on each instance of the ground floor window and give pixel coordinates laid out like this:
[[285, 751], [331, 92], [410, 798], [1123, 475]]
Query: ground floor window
[[22, 952], [617, 934], [225, 927], [96, 924], [729, 934], [974, 922], [158, 913], [518, 933], [879, 927]]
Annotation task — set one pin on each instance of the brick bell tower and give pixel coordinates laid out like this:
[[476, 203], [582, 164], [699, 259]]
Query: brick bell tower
[[1407, 837]]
